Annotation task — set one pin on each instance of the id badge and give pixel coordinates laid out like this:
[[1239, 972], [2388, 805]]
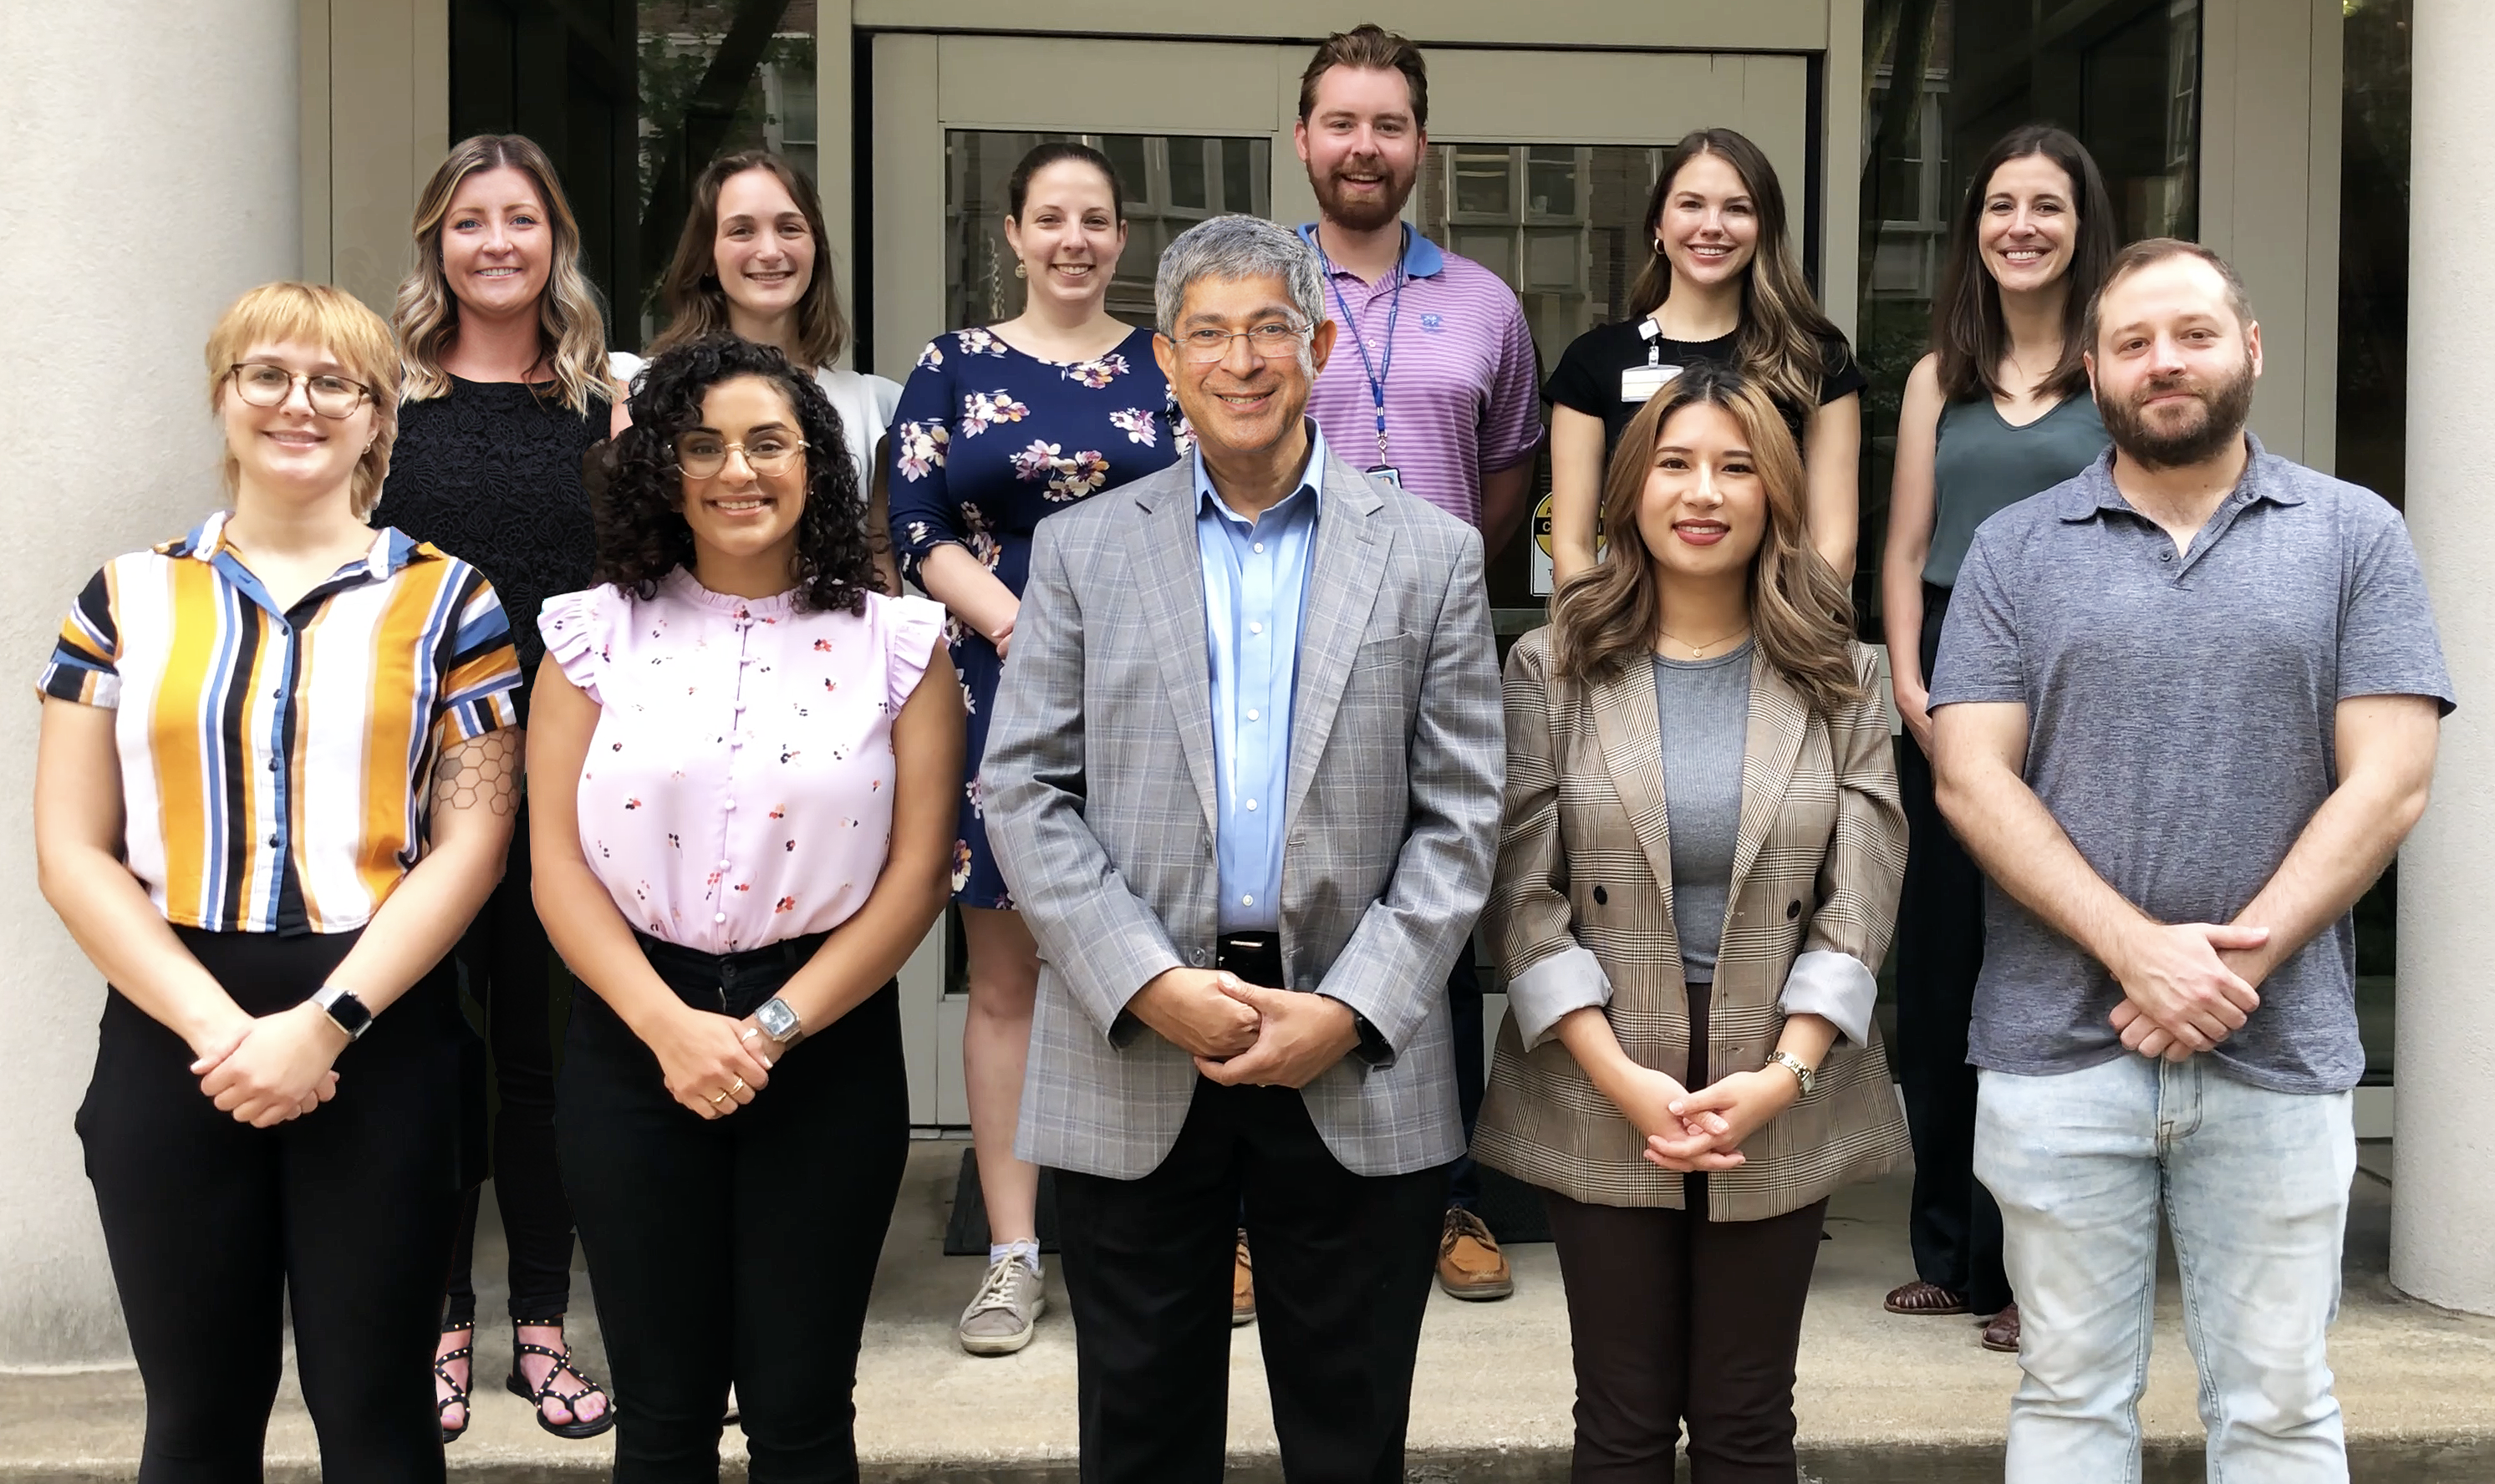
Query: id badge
[[1639, 383], [1387, 473]]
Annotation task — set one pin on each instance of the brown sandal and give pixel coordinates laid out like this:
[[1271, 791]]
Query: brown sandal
[[1924, 1299], [2001, 1332]]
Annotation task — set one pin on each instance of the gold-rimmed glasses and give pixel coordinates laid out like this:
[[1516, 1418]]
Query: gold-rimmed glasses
[[702, 455], [265, 385]]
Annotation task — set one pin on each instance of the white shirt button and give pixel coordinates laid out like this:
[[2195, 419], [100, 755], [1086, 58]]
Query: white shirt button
[[722, 865], [1258, 547], [1251, 714], [1255, 628], [1246, 901], [719, 917], [1252, 805], [731, 804]]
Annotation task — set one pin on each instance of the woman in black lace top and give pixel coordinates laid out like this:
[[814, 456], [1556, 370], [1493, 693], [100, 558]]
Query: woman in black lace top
[[505, 353]]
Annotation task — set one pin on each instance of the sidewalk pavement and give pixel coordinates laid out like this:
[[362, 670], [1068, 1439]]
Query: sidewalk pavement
[[1881, 1398]]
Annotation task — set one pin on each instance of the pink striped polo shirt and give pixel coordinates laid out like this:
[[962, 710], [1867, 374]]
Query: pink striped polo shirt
[[1461, 385]]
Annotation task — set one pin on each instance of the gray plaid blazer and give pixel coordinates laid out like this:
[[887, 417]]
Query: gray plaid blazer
[[1584, 866], [1099, 784]]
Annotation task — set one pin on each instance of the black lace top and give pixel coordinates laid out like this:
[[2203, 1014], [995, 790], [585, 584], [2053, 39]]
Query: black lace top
[[491, 475]]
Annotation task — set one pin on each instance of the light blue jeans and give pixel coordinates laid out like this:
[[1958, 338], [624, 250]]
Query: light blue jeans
[[2255, 1189]]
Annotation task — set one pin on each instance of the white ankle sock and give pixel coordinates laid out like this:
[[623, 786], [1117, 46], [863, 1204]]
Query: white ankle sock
[[1027, 1251]]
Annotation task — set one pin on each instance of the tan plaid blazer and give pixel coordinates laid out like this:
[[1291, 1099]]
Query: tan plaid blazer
[[1586, 859]]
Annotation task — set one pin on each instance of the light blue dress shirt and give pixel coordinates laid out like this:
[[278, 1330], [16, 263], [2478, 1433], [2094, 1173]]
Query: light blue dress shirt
[[1255, 587]]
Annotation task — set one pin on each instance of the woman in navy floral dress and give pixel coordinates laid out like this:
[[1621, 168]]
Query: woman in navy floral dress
[[997, 429]]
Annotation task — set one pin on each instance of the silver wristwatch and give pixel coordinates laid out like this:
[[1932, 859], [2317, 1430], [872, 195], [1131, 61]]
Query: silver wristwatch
[[1801, 1069], [777, 1019], [346, 1012]]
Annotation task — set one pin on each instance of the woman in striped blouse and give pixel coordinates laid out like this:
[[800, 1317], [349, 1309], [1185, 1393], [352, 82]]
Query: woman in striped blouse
[[278, 766]]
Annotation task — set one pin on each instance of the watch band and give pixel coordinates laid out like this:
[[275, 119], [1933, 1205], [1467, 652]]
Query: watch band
[[778, 1020], [346, 1012], [1801, 1069]]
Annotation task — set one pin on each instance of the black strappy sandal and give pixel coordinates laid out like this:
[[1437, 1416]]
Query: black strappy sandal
[[458, 1394], [517, 1384]]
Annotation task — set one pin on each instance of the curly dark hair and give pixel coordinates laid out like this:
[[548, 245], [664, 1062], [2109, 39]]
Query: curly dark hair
[[641, 530]]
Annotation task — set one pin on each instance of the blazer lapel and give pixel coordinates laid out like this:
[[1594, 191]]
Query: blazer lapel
[[1345, 577], [1631, 734], [1779, 718], [1172, 568]]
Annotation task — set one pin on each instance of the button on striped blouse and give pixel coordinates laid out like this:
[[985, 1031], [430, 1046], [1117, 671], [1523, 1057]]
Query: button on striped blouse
[[274, 763]]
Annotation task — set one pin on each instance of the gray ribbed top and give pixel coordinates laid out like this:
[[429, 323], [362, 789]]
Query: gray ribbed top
[[1983, 464], [1704, 705]]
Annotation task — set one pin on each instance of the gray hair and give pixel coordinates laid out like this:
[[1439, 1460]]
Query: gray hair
[[1232, 248]]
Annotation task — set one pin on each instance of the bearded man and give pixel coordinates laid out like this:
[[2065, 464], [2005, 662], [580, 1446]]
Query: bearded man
[[2185, 710]]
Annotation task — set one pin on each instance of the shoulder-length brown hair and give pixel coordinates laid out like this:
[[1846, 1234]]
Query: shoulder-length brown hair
[[1784, 338], [690, 293], [1968, 334], [571, 329], [1608, 616]]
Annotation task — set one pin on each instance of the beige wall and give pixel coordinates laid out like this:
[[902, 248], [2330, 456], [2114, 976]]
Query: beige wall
[[177, 122], [375, 121]]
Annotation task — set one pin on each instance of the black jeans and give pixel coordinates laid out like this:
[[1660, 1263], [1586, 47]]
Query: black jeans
[[1465, 1019], [1343, 1265], [1953, 1226], [739, 1250], [509, 970], [215, 1228]]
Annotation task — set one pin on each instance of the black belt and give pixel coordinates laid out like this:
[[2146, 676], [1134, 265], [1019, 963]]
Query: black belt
[[1254, 957]]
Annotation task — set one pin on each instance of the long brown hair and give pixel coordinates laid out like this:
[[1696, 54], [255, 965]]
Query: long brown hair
[[1607, 615], [696, 304], [1968, 334], [1784, 338], [571, 330]]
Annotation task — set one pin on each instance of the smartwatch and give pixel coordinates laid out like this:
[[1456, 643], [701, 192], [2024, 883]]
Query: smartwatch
[[777, 1019], [346, 1012]]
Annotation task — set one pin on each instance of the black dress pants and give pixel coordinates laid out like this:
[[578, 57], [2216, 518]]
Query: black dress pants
[[509, 970], [215, 1228], [737, 1250], [1953, 1226], [1464, 1020], [1675, 1318], [1343, 1266]]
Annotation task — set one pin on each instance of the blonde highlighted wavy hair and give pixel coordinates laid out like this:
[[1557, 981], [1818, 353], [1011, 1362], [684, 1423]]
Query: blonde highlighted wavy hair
[[571, 329], [1784, 338], [1801, 613], [335, 322]]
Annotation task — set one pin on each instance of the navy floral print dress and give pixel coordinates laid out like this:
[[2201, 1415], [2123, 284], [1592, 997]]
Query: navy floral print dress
[[988, 441]]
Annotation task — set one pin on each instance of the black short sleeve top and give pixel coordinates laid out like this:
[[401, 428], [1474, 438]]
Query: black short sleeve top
[[1588, 378]]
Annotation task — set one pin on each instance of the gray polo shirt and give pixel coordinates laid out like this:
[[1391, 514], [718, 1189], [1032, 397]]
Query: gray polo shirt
[[2181, 725]]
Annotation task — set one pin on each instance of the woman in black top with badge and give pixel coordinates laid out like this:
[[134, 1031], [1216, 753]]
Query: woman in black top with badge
[[504, 353], [1722, 284]]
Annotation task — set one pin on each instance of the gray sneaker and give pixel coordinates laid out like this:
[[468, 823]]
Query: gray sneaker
[[1006, 1311]]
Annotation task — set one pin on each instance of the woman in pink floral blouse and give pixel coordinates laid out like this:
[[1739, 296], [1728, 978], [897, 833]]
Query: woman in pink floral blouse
[[743, 763]]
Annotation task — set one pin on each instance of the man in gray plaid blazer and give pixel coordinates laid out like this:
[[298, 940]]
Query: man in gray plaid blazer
[[1244, 779]]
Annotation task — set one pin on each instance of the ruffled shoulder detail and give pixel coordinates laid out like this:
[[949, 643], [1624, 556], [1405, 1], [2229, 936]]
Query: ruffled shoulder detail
[[575, 626], [913, 628]]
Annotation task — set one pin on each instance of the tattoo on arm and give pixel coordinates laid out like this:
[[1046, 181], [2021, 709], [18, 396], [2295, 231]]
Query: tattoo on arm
[[481, 773]]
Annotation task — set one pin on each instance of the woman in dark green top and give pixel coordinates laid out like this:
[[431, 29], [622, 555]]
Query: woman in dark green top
[[1999, 410]]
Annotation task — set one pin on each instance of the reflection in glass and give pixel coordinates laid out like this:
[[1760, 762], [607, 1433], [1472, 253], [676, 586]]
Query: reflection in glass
[[1482, 180], [1171, 182]]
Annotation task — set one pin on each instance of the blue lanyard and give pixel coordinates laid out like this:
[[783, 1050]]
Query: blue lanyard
[[1376, 370]]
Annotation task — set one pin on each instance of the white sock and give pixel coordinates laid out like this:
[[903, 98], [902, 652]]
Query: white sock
[[1028, 1250]]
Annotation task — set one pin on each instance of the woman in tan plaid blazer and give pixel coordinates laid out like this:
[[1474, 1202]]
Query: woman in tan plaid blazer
[[1688, 1066]]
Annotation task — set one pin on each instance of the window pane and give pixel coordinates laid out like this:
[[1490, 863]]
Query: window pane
[[1186, 182], [1243, 186], [1484, 184], [1551, 181]]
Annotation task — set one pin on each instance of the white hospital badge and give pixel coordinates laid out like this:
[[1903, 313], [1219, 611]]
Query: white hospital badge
[[1639, 383]]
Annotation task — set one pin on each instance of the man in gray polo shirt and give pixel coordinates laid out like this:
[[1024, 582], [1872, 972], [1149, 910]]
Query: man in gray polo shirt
[[2184, 712]]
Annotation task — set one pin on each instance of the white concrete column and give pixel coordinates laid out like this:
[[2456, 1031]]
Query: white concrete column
[[2442, 1194], [148, 175]]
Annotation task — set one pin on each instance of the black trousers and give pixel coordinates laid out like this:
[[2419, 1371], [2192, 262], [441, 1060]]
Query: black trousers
[[1465, 1019], [509, 968], [1674, 1319], [1953, 1226], [215, 1228], [1343, 1266], [740, 1250]]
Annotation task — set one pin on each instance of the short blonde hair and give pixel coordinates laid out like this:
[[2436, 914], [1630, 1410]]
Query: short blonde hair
[[338, 323]]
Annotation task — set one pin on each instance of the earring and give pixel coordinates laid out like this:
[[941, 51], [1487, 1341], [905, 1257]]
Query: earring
[[1020, 271], [1658, 247]]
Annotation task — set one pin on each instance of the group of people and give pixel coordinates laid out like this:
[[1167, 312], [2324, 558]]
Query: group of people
[[1201, 725]]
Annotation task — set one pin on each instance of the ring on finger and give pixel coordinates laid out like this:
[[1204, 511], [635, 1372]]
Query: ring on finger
[[718, 1098], [736, 1087]]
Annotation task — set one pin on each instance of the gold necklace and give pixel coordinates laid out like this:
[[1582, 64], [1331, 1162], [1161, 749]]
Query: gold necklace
[[1699, 651]]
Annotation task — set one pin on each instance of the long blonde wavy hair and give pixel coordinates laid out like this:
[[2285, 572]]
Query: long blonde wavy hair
[[572, 327], [1608, 616]]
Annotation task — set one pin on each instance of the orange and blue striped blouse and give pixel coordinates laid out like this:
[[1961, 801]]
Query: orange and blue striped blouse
[[274, 763]]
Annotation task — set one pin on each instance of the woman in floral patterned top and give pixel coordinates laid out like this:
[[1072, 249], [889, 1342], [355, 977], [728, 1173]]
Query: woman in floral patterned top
[[996, 428]]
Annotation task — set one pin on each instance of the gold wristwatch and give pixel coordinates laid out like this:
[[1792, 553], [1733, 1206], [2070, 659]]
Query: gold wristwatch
[[1801, 1069]]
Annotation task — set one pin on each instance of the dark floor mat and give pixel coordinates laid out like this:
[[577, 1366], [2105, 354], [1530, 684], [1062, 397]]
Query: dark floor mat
[[1510, 1208]]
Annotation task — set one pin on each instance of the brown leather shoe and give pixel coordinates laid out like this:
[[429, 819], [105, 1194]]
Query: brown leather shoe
[[2001, 1333], [1471, 1266], [1242, 1286]]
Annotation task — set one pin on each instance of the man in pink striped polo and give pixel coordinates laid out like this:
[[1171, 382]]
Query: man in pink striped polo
[[1432, 385]]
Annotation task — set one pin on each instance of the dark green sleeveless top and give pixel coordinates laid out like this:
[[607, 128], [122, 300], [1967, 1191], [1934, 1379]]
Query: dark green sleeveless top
[[1983, 464]]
